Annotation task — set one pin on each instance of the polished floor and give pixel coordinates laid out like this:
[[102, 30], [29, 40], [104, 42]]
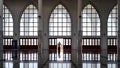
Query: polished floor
[[29, 59]]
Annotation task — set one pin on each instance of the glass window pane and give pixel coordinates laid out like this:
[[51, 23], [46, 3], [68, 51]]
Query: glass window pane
[[7, 22], [59, 22], [28, 22], [112, 22], [90, 21]]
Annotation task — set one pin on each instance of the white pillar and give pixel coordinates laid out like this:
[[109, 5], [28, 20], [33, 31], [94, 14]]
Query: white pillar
[[79, 34], [1, 33]]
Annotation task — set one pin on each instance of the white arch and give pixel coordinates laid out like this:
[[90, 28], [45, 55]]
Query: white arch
[[29, 22], [60, 22], [113, 22], [90, 21], [7, 22]]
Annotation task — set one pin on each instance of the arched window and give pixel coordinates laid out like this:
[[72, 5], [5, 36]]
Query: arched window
[[7, 22], [112, 28], [29, 22], [90, 21], [60, 32], [112, 22], [60, 22]]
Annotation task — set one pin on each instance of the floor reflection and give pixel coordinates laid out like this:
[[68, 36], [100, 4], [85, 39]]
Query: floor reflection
[[62, 56], [60, 64], [8, 64], [91, 65], [29, 59], [112, 65], [28, 65]]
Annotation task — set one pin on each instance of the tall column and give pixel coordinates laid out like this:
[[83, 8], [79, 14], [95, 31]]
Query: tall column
[[103, 46], [118, 47], [79, 34], [16, 36], [40, 34], [1, 33]]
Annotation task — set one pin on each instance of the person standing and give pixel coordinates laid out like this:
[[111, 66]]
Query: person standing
[[59, 48]]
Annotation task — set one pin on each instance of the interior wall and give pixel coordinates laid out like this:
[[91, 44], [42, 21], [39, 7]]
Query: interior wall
[[17, 7]]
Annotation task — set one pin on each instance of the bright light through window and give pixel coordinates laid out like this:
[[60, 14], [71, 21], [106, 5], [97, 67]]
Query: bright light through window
[[112, 22], [29, 22], [7, 22], [60, 22], [90, 21]]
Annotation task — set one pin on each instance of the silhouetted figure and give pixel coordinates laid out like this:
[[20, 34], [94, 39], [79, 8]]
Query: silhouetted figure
[[14, 49], [59, 44]]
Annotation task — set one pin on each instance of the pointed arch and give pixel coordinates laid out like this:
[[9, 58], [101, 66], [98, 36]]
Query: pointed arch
[[113, 22], [29, 22], [7, 22], [90, 21], [60, 22]]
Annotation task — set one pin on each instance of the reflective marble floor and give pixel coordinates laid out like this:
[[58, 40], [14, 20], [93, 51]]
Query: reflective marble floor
[[62, 60]]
